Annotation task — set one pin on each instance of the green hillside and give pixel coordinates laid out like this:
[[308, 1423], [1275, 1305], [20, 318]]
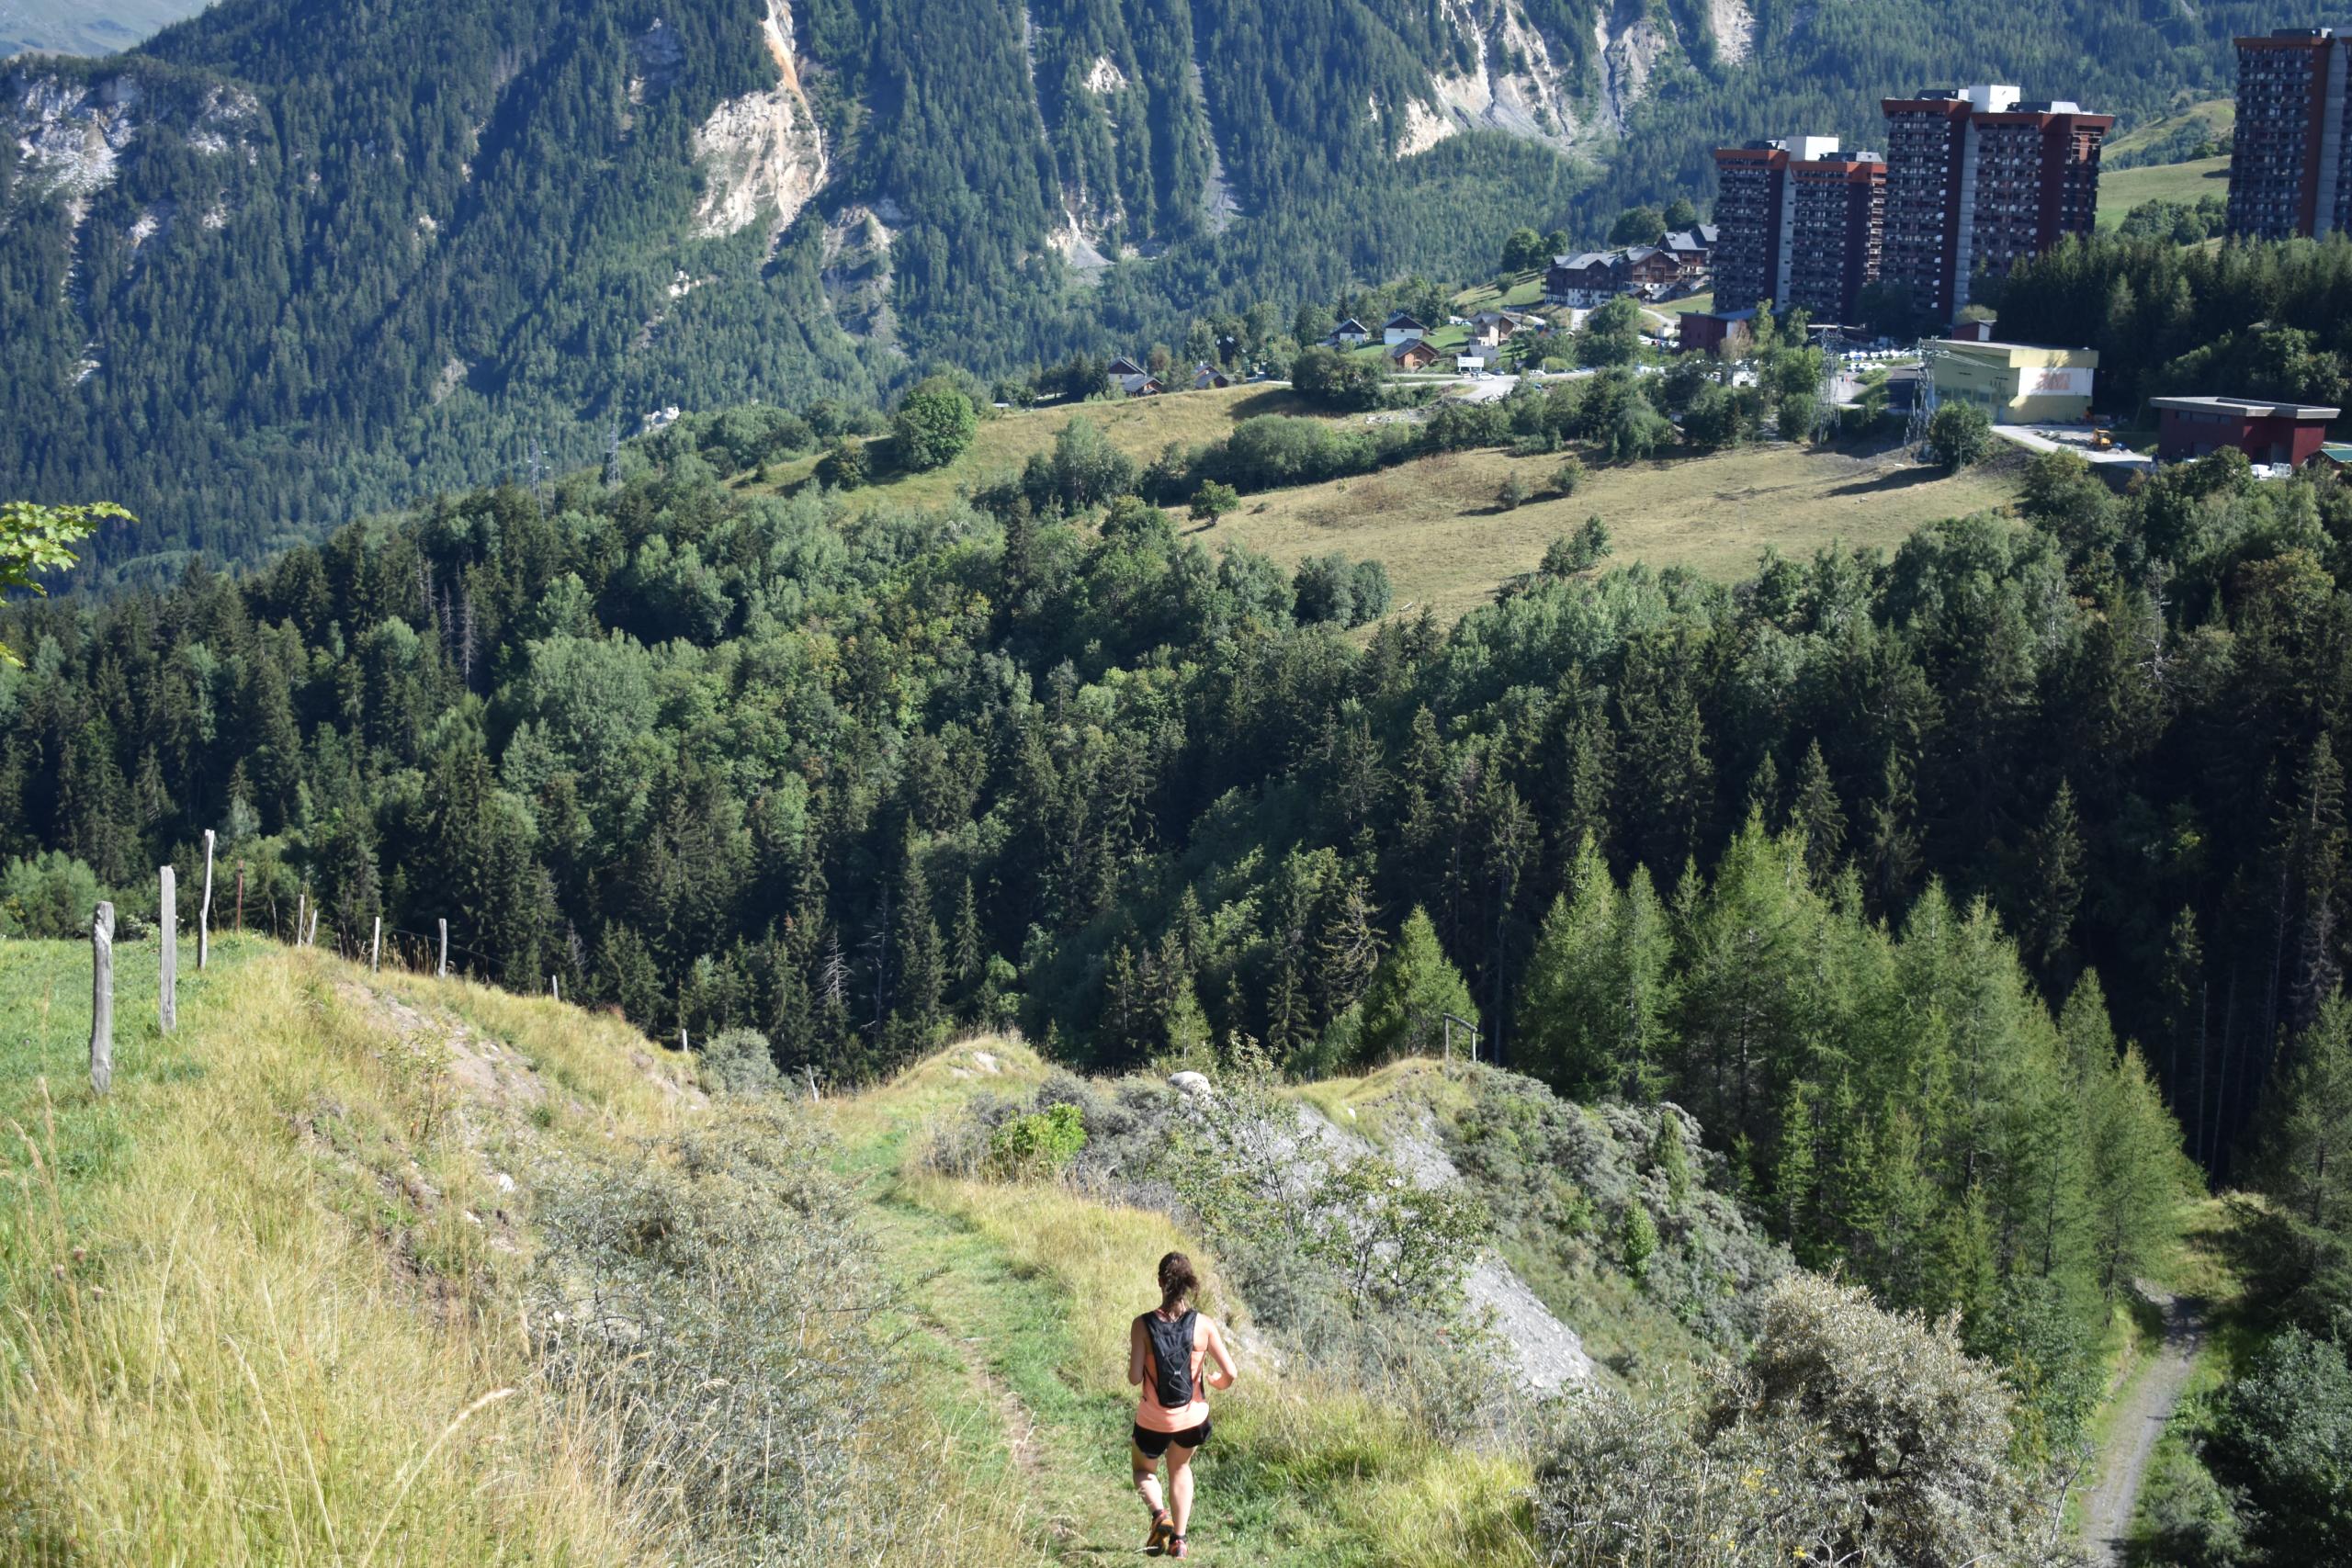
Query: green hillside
[[2120, 190]]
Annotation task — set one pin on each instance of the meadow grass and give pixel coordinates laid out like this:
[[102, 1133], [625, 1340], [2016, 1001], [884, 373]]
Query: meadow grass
[[1438, 527], [2120, 190], [1140, 427]]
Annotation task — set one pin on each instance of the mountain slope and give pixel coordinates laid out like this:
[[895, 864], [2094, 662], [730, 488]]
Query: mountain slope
[[292, 260]]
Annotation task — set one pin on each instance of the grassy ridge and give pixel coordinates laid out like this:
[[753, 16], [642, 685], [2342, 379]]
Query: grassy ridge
[[1027, 1291], [265, 1302]]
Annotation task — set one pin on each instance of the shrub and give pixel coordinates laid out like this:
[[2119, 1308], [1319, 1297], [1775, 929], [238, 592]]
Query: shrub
[[1636, 1241], [844, 465], [740, 1061], [52, 895], [1043, 1143], [1959, 437], [1568, 476], [1213, 501], [1852, 1436], [1513, 494]]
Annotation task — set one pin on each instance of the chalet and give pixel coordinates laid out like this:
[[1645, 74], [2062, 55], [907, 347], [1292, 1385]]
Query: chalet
[[1124, 376], [1476, 358], [1583, 280], [1692, 249], [1413, 354], [2266, 430], [1206, 376], [1493, 328], [1350, 333], [1402, 327], [1646, 267]]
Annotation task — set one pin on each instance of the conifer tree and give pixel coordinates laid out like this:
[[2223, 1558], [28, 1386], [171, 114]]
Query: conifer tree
[[1411, 992]]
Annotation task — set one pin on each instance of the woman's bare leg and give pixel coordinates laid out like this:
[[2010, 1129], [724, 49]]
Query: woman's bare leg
[[1147, 1473], [1179, 1485]]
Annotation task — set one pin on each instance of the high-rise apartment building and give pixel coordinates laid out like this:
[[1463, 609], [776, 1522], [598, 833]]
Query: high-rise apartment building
[[1837, 209], [2291, 169], [1757, 218], [1976, 181]]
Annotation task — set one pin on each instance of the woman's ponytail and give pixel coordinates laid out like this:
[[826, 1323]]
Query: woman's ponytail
[[1177, 1282]]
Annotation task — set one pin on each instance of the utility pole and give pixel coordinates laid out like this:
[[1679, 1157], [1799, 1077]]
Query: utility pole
[[204, 911]]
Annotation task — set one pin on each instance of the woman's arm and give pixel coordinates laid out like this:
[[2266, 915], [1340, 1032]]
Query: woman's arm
[[1222, 1374], [1138, 1353]]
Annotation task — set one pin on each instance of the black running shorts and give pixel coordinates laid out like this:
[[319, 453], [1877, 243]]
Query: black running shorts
[[1151, 1445]]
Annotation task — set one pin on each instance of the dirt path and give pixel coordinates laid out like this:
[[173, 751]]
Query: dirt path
[[2147, 1405]]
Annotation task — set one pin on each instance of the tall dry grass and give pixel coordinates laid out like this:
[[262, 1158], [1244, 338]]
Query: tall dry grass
[[288, 1325]]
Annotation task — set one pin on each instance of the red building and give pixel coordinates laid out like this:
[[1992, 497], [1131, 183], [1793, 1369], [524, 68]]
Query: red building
[[1838, 211], [2265, 432]]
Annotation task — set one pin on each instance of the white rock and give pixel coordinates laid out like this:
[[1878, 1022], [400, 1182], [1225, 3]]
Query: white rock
[[1191, 1083]]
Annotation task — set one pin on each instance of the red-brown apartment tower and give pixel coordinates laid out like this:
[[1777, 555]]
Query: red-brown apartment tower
[[2288, 171], [1757, 218], [1976, 181], [1839, 208]]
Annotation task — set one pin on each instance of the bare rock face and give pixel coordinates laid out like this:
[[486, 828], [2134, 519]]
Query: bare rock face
[[69, 138], [764, 152]]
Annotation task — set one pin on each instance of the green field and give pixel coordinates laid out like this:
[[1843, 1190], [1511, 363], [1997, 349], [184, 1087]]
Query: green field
[[2120, 190], [2207, 118], [1436, 525]]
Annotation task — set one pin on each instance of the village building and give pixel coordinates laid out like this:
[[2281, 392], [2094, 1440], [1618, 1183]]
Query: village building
[[1350, 333], [2266, 430], [2014, 383], [1402, 327], [1412, 354]]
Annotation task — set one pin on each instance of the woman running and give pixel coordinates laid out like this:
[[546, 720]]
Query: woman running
[[1165, 1352]]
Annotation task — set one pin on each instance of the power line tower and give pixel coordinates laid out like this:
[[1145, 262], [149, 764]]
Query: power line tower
[[1922, 401], [613, 453], [534, 464]]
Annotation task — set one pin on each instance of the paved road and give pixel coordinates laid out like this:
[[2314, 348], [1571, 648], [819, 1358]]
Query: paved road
[[2147, 1407]]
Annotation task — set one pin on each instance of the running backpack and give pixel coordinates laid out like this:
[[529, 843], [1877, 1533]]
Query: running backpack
[[1171, 1352]]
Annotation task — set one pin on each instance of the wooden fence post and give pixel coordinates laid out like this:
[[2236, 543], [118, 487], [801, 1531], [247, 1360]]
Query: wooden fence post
[[312, 938], [204, 911], [167, 1000], [376, 947], [241, 897], [681, 1037], [102, 999], [301, 913], [555, 987], [443, 972]]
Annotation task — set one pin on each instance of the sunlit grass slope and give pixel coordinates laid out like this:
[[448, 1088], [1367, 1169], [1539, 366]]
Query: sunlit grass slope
[[265, 1304]]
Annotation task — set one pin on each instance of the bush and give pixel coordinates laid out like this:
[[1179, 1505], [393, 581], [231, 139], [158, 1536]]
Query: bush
[[52, 895], [1043, 1143], [2283, 1435], [1336, 380], [934, 425], [1213, 501], [1568, 476], [711, 1306], [1581, 551], [844, 465], [1333, 588], [1959, 437], [1513, 493], [740, 1061], [1852, 1436]]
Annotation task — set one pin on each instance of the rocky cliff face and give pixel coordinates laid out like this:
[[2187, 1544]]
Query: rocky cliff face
[[764, 153]]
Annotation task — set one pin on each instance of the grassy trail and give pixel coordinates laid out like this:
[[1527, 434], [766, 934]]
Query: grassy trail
[[1017, 1298]]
